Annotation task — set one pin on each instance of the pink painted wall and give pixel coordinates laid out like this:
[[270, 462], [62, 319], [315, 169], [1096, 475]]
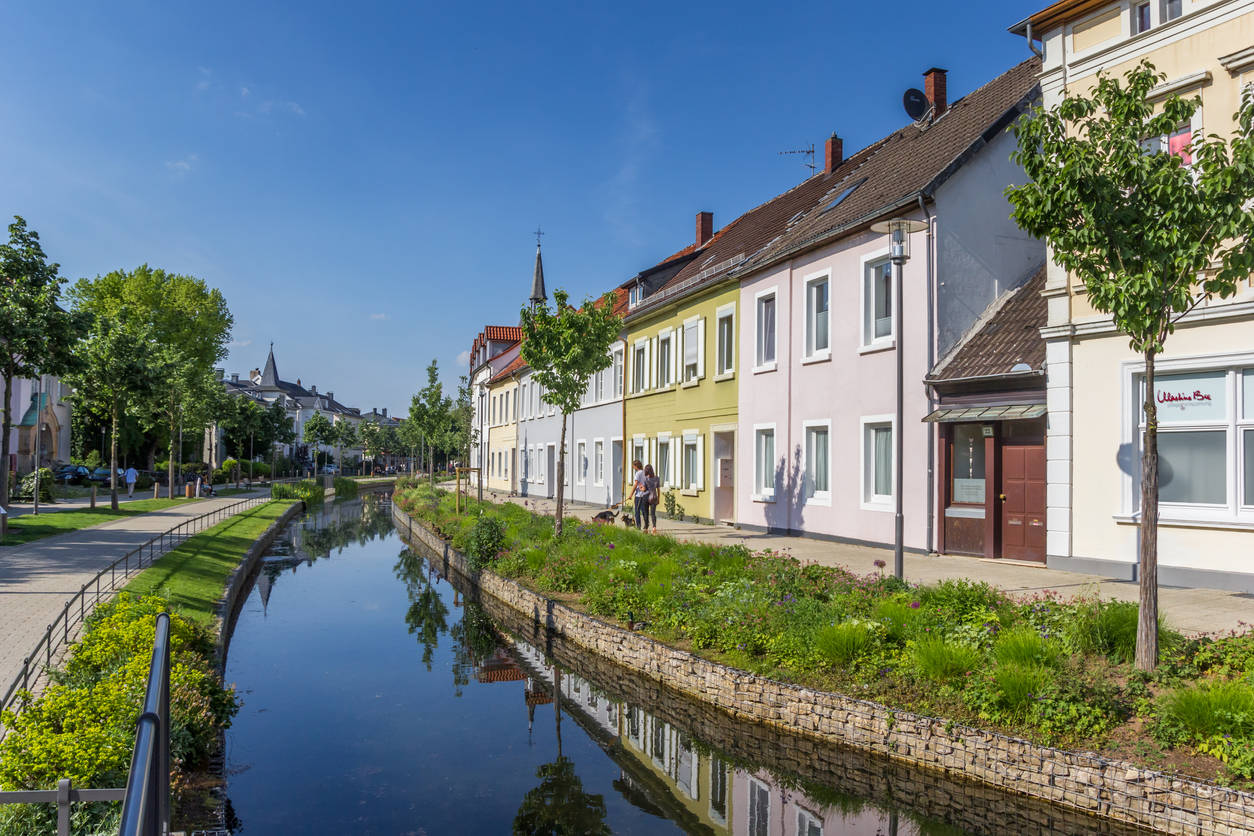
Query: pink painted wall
[[785, 804], [850, 386]]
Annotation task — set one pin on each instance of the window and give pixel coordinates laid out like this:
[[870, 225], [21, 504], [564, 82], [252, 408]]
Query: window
[[877, 303], [1140, 18], [634, 296], [726, 341], [664, 460], [718, 790], [618, 373], [967, 485], [818, 318], [1192, 468], [664, 359], [808, 824], [818, 460], [691, 476], [694, 348], [766, 331], [759, 809], [639, 367], [599, 470], [581, 463], [1178, 143], [877, 461], [764, 462], [1172, 9], [638, 453]]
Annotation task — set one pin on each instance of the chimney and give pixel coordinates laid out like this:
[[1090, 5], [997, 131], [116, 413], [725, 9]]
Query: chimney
[[234, 377], [298, 381], [374, 410], [705, 228], [835, 153], [219, 373], [934, 89], [385, 412], [254, 374], [313, 389], [330, 396]]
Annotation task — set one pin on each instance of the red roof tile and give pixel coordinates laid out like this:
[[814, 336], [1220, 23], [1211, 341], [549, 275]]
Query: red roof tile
[[1008, 334]]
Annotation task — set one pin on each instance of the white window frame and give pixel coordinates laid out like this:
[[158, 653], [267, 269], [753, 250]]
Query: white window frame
[[619, 369], [868, 341], [760, 494], [666, 371], [816, 497], [598, 462], [699, 374], [692, 438], [871, 501], [810, 354], [756, 789], [727, 311], [806, 820], [640, 381], [664, 441], [581, 462], [641, 443], [1233, 513], [760, 366]]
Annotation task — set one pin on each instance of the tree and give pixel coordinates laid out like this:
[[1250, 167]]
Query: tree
[[560, 805], [409, 437], [464, 434], [36, 335], [345, 433], [191, 325], [429, 411], [279, 429], [369, 436], [114, 376], [564, 348], [318, 431], [1151, 233]]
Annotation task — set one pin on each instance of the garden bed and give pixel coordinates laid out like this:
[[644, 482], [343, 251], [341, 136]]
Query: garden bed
[[1050, 671]]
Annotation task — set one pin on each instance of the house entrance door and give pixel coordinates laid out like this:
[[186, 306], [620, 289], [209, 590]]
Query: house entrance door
[[1022, 497]]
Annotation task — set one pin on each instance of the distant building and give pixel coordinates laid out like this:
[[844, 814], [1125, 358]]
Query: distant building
[[44, 404]]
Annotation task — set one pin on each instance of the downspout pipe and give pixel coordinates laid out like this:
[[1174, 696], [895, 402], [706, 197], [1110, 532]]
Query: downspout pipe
[[932, 432]]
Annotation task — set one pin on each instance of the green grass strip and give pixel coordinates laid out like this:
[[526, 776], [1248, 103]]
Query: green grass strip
[[193, 575], [29, 527]]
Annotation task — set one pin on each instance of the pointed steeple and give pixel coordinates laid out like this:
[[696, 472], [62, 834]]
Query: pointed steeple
[[538, 296], [270, 374]]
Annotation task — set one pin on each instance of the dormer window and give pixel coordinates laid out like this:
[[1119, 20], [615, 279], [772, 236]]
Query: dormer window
[[634, 295]]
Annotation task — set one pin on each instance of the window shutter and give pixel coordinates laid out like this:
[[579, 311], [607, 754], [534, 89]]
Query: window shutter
[[677, 366], [701, 348], [700, 462], [652, 371]]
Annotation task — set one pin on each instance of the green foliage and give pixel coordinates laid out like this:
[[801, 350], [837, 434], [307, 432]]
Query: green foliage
[[944, 661], [486, 541], [1025, 647], [670, 501], [26, 488], [1230, 656], [1018, 685], [309, 491], [841, 644], [1109, 628], [345, 488], [1211, 709], [898, 618]]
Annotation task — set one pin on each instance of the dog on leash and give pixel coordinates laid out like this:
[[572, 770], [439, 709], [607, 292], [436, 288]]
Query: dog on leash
[[608, 515]]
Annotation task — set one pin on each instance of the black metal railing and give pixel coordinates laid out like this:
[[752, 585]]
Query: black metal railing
[[66, 626], [146, 797]]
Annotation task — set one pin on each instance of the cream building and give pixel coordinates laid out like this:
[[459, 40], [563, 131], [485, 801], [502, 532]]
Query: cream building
[[1205, 378], [502, 416]]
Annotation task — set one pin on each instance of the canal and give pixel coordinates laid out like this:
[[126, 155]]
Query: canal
[[377, 700]]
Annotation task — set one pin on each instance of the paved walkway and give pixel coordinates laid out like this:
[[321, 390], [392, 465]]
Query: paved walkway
[[1191, 611], [38, 578], [81, 503]]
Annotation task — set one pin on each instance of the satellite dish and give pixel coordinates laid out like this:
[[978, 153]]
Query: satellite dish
[[916, 103]]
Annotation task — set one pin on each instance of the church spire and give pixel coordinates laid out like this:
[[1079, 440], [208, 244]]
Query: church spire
[[270, 374], [538, 296]]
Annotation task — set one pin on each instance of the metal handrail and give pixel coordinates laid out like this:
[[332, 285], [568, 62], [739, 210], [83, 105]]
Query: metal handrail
[[65, 626], [146, 808]]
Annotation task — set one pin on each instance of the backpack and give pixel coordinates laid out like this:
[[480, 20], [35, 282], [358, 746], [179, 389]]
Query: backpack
[[651, 490]]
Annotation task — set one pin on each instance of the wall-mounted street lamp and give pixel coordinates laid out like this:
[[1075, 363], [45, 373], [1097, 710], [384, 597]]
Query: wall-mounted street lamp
[[898, 231]]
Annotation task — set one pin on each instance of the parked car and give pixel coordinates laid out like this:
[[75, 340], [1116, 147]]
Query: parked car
[[330, 469], [101, 475], [72, 474]]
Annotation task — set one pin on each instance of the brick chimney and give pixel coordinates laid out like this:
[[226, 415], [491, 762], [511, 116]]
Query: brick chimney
[[934, 89], [234, 377], [705, 228], [835, 153], [385, 412], [330, 396], [313, 390]]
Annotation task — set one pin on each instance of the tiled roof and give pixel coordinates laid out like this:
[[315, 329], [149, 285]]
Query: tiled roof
[[1009, 333], [508, 333], [513, 366]]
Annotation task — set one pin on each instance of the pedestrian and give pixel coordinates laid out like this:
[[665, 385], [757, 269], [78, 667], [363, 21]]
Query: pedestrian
[[199, 483], [131, 476], [638, 490], [652, 490]]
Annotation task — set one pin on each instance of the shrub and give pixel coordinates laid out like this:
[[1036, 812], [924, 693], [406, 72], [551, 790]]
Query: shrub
[[307, 490], [26, 488], [840, 644], [1019, 685], [486, 541], [1211, 709], [1024, 646], [897, 617], [1228, 656], [1108, 628], [943, 661], [344, 488]]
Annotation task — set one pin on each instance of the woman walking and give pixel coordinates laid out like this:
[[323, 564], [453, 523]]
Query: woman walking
[[652, 490], [638, 490]]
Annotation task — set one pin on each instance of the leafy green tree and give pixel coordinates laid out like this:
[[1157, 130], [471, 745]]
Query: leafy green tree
[[318, 431], [564, 348], [114, 376], [409, 438], [280, 427], [429, 411], [463, 431], [559, 805], [191, 324], [345, 433], [1151, 234], [36, 335], [368, 435]]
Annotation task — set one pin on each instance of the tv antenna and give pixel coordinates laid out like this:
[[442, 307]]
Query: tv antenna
[[809, 152]]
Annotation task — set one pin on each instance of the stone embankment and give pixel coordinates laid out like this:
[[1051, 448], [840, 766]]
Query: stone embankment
[[1084, 782]]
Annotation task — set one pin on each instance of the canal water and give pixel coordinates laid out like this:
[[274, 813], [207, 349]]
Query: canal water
[[377, 700]]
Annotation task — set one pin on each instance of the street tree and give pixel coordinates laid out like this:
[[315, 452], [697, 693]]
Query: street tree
[[37, 336], [345, 436], [1152, 230], [429, 411], [280, 429], [318, 431], [565, 347], [409, 438], [368, 435], [191, 325], [114, 376], [463, 431]]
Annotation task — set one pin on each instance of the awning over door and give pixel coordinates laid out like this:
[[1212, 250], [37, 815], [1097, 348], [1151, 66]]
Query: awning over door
[[1005, 412]]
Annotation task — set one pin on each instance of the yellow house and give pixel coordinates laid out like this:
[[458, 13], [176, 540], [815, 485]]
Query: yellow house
[[502, 431], [1204, 380]]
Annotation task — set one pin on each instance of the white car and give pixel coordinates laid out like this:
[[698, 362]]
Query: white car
[[330, 469]]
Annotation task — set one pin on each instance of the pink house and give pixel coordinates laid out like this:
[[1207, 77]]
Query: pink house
[[817, 397]]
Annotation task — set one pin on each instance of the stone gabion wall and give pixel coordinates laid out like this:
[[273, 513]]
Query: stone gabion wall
[[1082, 781]]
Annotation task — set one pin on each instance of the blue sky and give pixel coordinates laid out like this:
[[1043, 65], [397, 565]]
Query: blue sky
[[362, 180]]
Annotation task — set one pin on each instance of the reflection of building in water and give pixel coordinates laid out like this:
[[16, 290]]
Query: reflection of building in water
[[769, 808], [499, 667]]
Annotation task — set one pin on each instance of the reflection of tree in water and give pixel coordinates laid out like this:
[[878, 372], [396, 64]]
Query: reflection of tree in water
[[559, 804], [428, 615], [344, 524], [474, 640]]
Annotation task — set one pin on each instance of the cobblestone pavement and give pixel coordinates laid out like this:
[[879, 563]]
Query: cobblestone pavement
[[38, 578], [1192, 611]]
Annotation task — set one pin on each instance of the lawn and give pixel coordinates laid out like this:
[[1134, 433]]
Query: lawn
[[193, 576], [1055, 671], [27, 527]]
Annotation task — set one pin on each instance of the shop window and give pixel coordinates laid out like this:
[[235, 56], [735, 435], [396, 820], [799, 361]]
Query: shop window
[[968, 485], [1191, 467]]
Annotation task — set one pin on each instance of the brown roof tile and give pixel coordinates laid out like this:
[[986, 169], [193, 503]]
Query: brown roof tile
[[511, 333], [1008, 334]]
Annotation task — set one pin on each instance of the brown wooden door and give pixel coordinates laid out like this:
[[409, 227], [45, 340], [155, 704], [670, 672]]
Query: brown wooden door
[[1022, 498]]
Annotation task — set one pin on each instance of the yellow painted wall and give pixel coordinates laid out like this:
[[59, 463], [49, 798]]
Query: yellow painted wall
[[682, 408], [503, 436], [666, 767], [1102, 27]]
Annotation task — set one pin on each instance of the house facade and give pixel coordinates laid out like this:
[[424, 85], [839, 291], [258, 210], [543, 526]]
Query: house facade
[[1205, 376], [502, 414], [38, 405], [595, 433]]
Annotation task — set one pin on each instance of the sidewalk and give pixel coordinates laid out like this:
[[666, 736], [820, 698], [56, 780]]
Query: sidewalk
[[1191, 611], [38, 578], [82, 503]]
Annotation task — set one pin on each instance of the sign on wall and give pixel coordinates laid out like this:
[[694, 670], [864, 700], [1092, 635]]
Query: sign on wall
[[1186, 398]]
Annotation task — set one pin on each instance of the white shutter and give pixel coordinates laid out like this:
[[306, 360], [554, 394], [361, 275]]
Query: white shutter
[[650, 363], [700, 462], [678, 365], [701, 348], [675, 338]]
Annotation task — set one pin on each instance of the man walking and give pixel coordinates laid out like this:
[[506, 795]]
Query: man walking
[[131, 476]]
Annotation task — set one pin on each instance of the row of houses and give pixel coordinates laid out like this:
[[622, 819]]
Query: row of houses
[[756, 367]]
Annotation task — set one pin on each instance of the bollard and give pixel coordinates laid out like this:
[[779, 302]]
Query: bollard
[[156, 490], [93, 494]]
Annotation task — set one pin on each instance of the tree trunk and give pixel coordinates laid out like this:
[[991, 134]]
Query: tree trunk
[[113, 461], [560, 487], [170, 464], [1147, 623], [6, 428]]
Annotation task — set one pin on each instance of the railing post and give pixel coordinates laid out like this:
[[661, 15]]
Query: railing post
[[63, 807]]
